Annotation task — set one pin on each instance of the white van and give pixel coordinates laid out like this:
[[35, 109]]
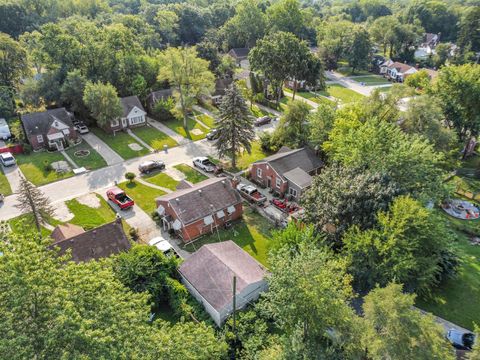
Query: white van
[[7, 159]]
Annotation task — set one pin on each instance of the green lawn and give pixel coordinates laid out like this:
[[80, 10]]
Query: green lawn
[[286, 101], [318, 99], [347, 70], [257, 112], [252, 234], [207, 120], [90, 162], [384, 89], [143, 195], [162, 179], [371, 80], [191, 174], [24, 224], [34, 169], [245, 159], [193, 126], [89, 217], [5, 188], [458, 300], [154, 137], [119, 143], [342, 93]]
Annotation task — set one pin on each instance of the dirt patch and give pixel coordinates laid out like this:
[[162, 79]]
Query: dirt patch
[[90, 200], [61, 212], [135, 147], [196, 132]]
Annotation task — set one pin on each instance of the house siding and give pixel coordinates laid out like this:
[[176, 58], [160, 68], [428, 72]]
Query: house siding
[[33, 140], [269, 176]]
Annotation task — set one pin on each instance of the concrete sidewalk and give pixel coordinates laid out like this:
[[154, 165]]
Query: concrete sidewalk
[[165, 129], [110, 156]]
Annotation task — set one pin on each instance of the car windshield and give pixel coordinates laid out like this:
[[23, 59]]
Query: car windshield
[[7, 157]]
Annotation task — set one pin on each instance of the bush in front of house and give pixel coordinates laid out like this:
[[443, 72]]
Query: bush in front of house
[[130, 176]]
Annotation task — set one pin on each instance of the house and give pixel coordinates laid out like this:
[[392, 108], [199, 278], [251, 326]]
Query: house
[[427, 47], [134, 115], [199, 209], [156, 96], [208, 275], [240, 55], [101, 242], [396, 71], [288, 172], [220, 86], [51, 129]]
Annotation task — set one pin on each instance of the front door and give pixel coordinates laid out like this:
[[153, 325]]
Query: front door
[[269, 182], [59, 144], [124, 122]]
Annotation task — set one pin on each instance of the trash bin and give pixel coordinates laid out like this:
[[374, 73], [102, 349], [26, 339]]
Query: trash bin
[[165, 148]]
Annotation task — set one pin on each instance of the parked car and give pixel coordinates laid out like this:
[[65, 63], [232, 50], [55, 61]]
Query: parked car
[[204, 163], [163, 245], [148, 166], [81, 128], [461, 339], [119, 198], [7, 159], [262, 121], [251, 193], [212, 135]]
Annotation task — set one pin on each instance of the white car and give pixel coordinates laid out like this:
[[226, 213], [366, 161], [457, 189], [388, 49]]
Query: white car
[[204, 163], [82, 129], [460, 339], [162, 245], [7, 159]]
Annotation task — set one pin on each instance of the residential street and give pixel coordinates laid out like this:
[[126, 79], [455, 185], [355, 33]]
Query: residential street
[[102, 178]]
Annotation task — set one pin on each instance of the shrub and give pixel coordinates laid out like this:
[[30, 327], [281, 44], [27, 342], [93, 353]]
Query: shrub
[[163, 109], [47, 166], [27, 149], [130, 176], [133, 234]]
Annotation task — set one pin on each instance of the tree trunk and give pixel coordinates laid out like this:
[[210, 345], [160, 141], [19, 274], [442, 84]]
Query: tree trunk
[[184, 110], [34, 212], [294, 89]]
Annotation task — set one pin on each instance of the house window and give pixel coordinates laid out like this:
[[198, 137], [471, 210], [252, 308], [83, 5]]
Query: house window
[[136, 120], [259, 173], [40, 138], [114, 123], [292, 192], [278, 183]]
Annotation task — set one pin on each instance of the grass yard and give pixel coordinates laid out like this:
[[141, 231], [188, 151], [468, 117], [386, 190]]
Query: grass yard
[[24, 224], [341, 93], [191, 174], [119, 143], [204, 118], [286, 101], [89, 217], [143, 195], [384, 89], [458, 300], [317, 99], [90, 162], [34, 169], [245, 159], [162, 179], [257, 112], [371, 80], [252, 234], [347, 71], [5, 188], [193, 128], [154, 137]]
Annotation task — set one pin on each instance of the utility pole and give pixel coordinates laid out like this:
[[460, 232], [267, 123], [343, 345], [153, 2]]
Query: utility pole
[[234, 329]]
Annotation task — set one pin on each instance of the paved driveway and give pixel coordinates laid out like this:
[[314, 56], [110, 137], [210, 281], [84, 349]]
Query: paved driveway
[[13, 174], [110, 156]]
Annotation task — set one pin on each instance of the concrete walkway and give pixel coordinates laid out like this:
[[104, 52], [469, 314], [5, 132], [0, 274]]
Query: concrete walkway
[[204, 111], [143, 143], [348, 83], [69, 159], [13, 174], [270, 110], [165, 129], [313, 104], [110, 156]]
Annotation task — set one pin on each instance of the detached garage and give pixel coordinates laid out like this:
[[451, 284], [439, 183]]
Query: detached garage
[[208, 275]]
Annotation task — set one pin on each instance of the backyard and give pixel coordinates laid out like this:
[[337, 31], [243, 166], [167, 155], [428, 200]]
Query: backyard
[[154, 137], [120, 143], [5, 188], [84, 156], [161, 179], [195, 130], [88, 216], [35, 167], [191, 175], [245, 159], [143, 195], [252, 234]]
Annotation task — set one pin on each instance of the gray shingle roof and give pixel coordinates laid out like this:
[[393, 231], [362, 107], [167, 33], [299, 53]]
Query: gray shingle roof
[[210, 271], [221, 85], [239, 53], [284, 161], [129, 102], [298, 177], [40, 122], [193, 203], [97, 243]]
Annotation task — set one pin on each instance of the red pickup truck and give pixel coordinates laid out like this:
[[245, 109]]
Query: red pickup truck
[[118, 197]]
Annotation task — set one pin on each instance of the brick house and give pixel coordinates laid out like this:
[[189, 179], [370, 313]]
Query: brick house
[[396, 71], [133, 116], [199, 209], [51, 130], [94, 244], [288, 172]]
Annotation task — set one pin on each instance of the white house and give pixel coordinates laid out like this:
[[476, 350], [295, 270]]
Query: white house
[[396, 71], [134, 115], [208, 275]]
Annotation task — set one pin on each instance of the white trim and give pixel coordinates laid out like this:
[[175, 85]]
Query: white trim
[[291, 191], [40, 138], [278, 182], [114, 123], [259, 172]]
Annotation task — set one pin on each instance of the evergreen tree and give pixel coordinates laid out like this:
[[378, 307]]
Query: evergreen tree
[[235, 125], [33, 202]]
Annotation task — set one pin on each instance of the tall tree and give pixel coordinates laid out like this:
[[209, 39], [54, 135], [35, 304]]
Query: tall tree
[[293, 129], [187, 74], [333, 38], [396, 330], [102, 101], [288, 16], [320, 124], [469, 33], [341, 197], [13, 61], [308, 299], [33, 202], [235, 125], [359, 49]]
